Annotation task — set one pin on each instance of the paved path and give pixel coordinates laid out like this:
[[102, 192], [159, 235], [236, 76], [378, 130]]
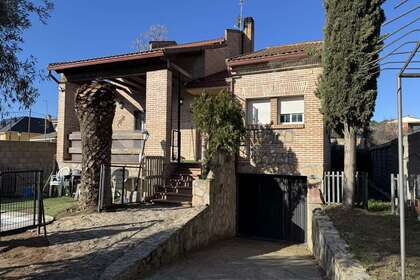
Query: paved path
[[244, 259]]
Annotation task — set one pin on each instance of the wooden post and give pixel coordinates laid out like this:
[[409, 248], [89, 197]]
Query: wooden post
[[392, 194]]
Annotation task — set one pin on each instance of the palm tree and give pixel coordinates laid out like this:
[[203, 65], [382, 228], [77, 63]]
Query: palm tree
[[95, 108]]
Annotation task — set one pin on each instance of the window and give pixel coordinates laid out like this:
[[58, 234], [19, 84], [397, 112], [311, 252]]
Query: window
[[139, 120], [259, 112], [291, 110]]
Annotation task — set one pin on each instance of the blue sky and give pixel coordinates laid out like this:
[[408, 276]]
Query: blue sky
[[82, 29]]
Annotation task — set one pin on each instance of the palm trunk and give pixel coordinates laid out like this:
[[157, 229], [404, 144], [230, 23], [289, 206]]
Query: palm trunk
[[95, 108], [349, 165]]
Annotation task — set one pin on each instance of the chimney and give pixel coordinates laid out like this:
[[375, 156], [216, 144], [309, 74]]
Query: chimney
[[248, 36], [161, 44]]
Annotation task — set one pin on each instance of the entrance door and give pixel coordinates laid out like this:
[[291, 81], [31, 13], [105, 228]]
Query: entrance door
[[272, 207]]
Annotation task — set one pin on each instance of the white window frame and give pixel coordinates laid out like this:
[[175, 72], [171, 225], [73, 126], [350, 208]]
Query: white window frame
[[249, 114], [292, 113]]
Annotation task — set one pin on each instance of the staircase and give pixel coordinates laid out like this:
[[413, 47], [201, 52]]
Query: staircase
[[177, 190]]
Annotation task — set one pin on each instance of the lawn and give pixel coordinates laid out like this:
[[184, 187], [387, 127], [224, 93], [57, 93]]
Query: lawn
[[374, 239], [59, 206]]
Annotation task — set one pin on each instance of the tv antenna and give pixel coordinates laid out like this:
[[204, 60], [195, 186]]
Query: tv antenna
[[241, 15]]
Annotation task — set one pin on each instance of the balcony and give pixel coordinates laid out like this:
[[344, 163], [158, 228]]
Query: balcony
[[126, 146]]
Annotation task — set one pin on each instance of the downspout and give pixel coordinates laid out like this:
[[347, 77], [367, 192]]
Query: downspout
[[179, 118]]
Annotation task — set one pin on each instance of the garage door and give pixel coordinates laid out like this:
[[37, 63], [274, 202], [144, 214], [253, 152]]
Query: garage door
[[272, 207]]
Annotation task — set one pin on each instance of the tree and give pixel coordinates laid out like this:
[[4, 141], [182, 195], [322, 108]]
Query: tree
[[221, 119], [348, 86], [17, 75], [156, 32], [95, 108]]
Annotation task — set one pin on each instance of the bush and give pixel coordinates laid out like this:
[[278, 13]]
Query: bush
[[221, 119]]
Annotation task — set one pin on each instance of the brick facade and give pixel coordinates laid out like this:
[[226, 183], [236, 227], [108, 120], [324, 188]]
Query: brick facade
[[67, 121], [158, 110], [304, 143]]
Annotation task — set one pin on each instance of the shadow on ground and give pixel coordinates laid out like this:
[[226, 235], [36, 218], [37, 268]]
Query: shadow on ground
[[244, 259]]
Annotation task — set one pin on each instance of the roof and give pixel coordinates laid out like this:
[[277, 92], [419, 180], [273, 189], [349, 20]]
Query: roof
[[159, 52], [284, 53], [214, 80], [20, 124], [408, 119]]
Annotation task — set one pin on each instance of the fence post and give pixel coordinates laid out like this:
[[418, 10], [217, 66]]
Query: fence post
[[392, 194], [123, 186], [366, 191]]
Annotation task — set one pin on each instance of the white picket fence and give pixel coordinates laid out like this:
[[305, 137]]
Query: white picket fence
[[412, 190], [333, 187]]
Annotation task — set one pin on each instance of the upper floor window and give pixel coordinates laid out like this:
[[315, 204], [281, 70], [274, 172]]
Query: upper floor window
[[259, 112], [139, 120], [291, 110]]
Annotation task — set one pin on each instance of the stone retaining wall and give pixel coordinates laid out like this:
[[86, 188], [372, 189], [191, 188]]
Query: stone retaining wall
[[332, 252], [215, 219]]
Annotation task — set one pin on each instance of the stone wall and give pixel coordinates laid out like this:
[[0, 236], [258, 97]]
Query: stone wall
[[332, 252], [27, 155], [215, 219]]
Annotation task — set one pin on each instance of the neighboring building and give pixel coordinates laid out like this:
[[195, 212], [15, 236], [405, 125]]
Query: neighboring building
[[410, 124], [156, 88], [24, 128], [49, 137], [384, 160]]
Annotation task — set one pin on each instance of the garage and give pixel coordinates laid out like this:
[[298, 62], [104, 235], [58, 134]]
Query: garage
[[272, 207]]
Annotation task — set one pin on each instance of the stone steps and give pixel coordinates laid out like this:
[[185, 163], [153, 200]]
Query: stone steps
[[178, 188]]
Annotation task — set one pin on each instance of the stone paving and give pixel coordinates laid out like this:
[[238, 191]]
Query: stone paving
[[244, 259], [83, 246]]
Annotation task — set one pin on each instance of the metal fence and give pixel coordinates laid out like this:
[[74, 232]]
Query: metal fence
[[333, 188], [21, 201], [130, 183], [412, 191]]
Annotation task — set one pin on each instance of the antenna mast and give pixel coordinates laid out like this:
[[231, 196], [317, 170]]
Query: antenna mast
[[241, 16]]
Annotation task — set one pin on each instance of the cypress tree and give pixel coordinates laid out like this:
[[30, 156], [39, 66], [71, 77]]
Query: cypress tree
[[348, 86]]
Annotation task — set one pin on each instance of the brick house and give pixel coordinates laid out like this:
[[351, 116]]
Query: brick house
[[156, 88]]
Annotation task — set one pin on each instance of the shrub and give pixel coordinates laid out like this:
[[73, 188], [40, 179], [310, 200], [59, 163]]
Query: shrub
[[221, 120]]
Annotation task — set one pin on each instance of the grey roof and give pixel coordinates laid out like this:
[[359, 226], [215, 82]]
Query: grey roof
[[20, 124]]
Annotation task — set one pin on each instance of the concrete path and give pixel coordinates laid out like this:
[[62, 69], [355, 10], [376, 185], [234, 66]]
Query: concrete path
[[244, 259]]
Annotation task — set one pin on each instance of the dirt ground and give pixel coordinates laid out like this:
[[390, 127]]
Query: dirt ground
[[82, 246], [374, 239]]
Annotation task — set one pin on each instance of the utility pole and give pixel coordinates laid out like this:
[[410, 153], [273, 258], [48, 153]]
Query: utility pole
[[29, 124]]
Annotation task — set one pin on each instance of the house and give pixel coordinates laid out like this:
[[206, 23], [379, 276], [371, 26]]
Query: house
[[410, 124], [24, 128], [276, 87]]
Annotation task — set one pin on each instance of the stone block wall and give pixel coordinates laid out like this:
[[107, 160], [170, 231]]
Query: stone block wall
[[214, 219], [22, 155], [332, 252]]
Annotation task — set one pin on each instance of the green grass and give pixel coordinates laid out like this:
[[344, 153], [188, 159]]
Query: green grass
[[58, 206], [379, 206]]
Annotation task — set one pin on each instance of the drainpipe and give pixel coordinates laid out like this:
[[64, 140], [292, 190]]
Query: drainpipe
[[179, 118]]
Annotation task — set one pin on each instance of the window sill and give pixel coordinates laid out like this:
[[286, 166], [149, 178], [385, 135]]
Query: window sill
[[289, 126]]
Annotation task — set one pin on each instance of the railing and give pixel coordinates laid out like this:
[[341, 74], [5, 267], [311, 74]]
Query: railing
[[333, 188], [412, 191], [21, 201], [131, 183]]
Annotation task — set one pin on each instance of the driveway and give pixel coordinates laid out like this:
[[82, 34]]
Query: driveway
[[244, 259]]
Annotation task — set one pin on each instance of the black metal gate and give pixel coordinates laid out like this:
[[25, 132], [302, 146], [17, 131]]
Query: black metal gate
[[272, 207], [21, 203]]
